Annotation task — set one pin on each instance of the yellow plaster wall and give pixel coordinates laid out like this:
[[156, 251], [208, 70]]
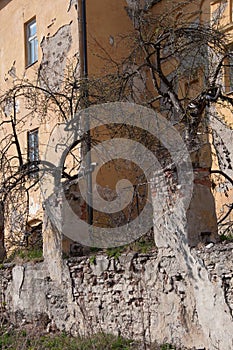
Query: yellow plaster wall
[[107, 23], [223, 193], [50, 16]]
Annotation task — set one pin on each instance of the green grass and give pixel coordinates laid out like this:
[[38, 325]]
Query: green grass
[[26, 255], [22, 340], [167, 347], [141, 246], [226, 237], [33, 339], [92, 259], [115, 252]]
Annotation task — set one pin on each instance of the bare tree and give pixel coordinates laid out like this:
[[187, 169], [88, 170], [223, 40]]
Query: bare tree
[[19, 173], [178, 65], [174, 64]]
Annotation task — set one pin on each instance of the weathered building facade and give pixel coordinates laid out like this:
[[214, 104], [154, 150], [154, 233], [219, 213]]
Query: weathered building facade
[[48, 47], [175, 293], [49, 52]]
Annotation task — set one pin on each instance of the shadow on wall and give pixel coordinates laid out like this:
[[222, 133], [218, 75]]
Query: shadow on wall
[[4, 3]]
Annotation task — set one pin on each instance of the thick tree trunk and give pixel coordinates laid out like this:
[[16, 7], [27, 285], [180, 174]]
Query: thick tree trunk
[[2, 248]]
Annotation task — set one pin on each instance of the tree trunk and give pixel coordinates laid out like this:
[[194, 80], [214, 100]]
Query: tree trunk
[[2, 248]]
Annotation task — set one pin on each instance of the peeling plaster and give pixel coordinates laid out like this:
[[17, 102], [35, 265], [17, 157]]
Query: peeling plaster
[[141, 4], [53, 63]]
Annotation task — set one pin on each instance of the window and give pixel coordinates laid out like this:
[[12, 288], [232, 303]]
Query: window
[[230, 10], [229, 73], [33, 151], [31, 42], [220, 13]]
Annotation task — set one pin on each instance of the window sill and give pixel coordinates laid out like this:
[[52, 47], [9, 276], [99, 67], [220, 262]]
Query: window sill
[[227, 27], [229, 92], [214, 2], [31, 64]]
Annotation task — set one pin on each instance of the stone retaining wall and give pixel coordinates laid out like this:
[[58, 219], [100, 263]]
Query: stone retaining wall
[[146, 297]]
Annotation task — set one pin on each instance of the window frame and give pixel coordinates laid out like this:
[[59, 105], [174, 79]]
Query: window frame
[[228, 73], [33, 151], [230, 11], [31, 43]]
